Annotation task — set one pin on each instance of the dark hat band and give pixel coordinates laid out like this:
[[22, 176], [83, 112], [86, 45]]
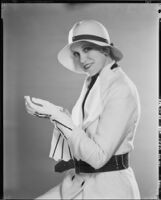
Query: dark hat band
[[89, 37]]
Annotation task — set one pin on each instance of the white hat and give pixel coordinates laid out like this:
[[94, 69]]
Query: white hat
[[90, 31]]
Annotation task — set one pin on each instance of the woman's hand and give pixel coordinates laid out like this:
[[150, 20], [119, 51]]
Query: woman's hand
[[56, 114], [41, 108], [45, 109]]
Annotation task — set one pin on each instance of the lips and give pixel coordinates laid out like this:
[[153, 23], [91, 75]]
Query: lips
[[87, 66]]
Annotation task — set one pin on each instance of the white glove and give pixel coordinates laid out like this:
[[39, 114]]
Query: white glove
[[40, 108], [44, 109]]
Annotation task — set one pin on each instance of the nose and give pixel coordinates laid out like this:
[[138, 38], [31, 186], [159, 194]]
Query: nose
[[83, 58]]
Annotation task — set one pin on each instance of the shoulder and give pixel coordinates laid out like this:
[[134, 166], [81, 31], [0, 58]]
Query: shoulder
[[122, 85], [119, 92], [118, 86]]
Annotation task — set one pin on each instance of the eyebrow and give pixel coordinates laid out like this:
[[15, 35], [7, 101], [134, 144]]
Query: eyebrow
[[83, 45]]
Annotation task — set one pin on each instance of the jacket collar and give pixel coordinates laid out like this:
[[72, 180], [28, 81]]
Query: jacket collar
[[94, 102]]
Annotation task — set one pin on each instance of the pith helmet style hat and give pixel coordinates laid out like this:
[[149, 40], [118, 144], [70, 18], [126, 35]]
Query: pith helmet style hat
[[90, 31]]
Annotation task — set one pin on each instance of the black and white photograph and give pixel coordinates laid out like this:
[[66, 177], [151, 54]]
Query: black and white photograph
[[80, 100]]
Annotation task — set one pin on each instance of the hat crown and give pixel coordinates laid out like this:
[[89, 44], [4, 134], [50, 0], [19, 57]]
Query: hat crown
[[88, 27], [90, 31]]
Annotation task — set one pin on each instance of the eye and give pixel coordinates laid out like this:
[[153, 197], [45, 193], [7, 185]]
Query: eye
[[86, 49], [75, 54]]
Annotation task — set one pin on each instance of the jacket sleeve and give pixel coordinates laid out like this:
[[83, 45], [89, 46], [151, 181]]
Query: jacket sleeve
[[111, 130]]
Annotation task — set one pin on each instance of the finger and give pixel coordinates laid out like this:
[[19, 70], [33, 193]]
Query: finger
[[30, 112], [30, 109], [27, 104], [25, 97], [40, 102], [34, 106], [44, 103], [28, 101]]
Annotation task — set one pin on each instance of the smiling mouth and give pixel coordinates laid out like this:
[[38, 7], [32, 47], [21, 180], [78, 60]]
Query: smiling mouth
[[87, 66]]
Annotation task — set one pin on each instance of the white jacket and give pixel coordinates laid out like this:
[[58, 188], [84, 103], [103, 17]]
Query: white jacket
[[112, 111]]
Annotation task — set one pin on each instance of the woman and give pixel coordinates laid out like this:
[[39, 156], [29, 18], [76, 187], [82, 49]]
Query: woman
[[93, 143]]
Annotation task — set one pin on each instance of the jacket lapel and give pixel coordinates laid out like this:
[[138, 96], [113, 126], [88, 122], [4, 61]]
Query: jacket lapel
[[94, 102], [77, 115], [93, 105]]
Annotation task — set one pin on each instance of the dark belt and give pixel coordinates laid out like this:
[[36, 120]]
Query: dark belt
[[117, 162]]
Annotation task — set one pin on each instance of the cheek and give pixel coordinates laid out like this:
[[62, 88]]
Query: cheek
[[101, 63], [104, 58], [101, 59], [76, 62]]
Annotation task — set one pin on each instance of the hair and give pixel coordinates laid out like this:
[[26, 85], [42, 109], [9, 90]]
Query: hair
[[107, 51]]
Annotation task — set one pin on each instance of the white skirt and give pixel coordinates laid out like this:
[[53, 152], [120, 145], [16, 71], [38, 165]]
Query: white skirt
[[106, 185]]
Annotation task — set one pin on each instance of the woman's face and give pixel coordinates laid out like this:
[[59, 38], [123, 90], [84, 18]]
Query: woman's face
[[89, 57]]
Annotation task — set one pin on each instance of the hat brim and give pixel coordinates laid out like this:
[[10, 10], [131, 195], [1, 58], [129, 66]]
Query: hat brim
[[65, 56]]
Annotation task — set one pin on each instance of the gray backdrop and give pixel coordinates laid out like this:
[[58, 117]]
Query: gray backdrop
[[33, 35]]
